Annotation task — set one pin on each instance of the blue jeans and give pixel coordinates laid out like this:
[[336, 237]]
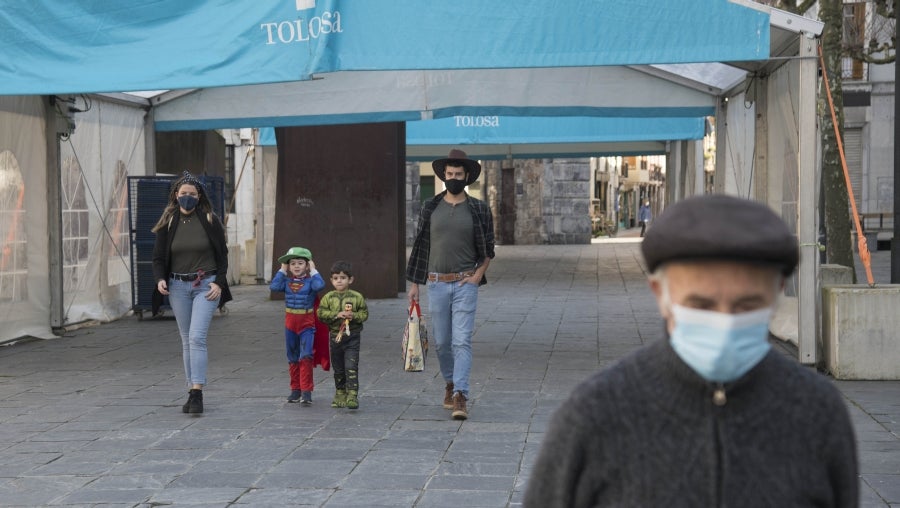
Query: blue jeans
[[193, 313], [451, 308]]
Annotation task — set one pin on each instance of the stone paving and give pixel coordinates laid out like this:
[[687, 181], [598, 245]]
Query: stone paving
[[94, 418]]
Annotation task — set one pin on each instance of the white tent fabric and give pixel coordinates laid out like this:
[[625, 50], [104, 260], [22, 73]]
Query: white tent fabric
[[24, 283], [380, 96], [106, 146]]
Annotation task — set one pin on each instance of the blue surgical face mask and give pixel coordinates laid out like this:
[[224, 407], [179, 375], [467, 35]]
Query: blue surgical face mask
[[720, 347], [188, 202]]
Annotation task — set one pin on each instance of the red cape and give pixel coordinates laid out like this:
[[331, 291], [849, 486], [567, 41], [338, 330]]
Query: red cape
[[321, 348]]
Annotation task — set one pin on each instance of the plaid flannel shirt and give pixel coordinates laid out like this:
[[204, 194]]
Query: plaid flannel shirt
[[482, 219]]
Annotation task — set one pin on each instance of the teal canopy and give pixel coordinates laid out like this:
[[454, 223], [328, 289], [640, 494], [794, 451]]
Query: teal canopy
[[65, 46]]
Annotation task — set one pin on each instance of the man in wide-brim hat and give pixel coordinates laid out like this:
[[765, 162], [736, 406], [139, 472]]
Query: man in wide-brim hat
[[457, 158], [453, 247]]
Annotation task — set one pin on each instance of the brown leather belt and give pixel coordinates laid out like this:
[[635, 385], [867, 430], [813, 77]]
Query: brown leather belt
[[448, 277]]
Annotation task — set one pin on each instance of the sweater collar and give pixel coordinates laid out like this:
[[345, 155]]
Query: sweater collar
[[675, 386]]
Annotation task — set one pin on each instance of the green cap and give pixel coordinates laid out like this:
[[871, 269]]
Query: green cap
[[294, 253]]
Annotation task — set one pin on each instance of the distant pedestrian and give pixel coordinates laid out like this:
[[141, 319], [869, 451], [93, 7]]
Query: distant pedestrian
[[711, 415], [344, 311], [644, 216], [453, 247], [190, 264], [300, 282]]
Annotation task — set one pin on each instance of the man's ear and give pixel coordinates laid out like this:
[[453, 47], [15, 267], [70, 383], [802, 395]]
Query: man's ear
[[656, 285], [350, 280]]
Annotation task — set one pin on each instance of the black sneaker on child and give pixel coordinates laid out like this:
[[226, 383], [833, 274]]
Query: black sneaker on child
[[306, 398], [294, 396]]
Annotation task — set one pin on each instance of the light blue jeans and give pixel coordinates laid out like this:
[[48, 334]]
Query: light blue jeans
[[193, 313], [451, 308]]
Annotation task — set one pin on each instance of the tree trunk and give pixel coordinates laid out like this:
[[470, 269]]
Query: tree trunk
[[834, 187]]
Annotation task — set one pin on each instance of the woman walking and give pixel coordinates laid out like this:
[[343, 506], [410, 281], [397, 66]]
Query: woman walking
[[190, 262]]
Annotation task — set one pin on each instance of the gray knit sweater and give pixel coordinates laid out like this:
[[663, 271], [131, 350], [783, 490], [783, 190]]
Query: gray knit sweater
[[646, 433]]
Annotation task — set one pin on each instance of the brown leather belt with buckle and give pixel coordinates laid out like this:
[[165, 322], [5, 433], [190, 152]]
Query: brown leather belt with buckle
[[448, 277], [188, 277]]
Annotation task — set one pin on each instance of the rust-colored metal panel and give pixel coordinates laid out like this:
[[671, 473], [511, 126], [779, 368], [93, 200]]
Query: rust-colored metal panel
[[341, 194], [507, 220]]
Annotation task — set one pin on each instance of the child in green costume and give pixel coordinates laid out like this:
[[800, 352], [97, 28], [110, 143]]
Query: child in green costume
[[344, 311]]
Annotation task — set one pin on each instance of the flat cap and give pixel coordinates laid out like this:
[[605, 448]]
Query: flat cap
[[721, 227]]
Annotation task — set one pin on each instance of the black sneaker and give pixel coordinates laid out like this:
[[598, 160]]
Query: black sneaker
[[294, 396], [195, 401], [306, 398]]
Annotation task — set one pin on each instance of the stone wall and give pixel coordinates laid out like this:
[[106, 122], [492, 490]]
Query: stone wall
[[566, 201], [552, 199], [530, 227], [413, 202], [490, 175]]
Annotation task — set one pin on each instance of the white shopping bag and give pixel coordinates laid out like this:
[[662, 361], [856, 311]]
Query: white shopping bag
[[415, 340]]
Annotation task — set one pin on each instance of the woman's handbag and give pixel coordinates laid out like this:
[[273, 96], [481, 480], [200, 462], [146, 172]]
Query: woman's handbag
[[415, 340]]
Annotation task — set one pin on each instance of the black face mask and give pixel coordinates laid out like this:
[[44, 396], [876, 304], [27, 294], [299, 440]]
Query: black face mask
[[455, 186], [188, 202]]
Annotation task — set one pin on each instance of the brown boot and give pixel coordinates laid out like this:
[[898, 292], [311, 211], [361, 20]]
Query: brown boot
[[448, 396], [459, 407]]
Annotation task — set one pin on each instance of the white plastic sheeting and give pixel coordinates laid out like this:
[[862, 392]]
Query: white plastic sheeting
[[106, 146], [24, 283]]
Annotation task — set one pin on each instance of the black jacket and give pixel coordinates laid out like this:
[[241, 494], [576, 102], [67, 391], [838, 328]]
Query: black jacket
[[162, 250], [647, 432]]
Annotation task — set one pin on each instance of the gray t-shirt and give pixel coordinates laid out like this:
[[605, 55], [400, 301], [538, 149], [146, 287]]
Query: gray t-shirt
[[452, 239], [191, 249]]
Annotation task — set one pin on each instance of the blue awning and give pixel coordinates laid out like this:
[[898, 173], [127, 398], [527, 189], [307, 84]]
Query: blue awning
[[267, 137], [474, 130], [64, 46], [497, 137]]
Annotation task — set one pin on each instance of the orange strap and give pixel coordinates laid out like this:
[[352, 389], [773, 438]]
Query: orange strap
[[864, 254]]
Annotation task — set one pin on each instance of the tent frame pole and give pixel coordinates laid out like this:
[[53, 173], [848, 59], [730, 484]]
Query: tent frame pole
[[807, 200]]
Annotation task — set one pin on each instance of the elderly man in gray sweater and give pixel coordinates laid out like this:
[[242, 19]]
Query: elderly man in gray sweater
[[710, 416]]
